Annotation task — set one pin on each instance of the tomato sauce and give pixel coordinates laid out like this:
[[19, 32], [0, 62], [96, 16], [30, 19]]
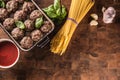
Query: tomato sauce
[[8, 53]]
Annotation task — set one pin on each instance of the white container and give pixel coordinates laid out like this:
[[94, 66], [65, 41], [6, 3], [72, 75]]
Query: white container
[[17, 58]]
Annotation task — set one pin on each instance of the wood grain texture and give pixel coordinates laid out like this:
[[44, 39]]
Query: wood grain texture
[[93, 53]]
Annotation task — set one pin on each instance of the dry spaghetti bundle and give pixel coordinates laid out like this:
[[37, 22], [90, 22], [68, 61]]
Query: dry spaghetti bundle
[[78, 10]]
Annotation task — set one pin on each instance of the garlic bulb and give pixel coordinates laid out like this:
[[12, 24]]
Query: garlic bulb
[[108, 15]]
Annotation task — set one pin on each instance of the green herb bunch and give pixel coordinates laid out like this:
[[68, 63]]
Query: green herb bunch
[[56, 11]]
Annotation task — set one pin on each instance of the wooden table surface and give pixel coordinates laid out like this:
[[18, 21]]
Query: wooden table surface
[[93, 53]]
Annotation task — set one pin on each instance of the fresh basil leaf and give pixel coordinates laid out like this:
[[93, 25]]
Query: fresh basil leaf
[[52, 14], [49, 9], [63, 12], [45, 10], [2, 4], [38, 22], [20, 24], [58, 12], [57, 4]]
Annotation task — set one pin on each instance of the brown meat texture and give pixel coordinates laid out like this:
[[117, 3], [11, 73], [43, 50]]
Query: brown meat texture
[[11, 6], [19, 15], [28, 7], [35, 14], [17, 33], [3, 14], [46, 27], [29, 25], [9, 23], [36, 35], [26, 42]]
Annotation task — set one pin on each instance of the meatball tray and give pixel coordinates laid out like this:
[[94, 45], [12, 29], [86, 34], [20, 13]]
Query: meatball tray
[[25, 23]]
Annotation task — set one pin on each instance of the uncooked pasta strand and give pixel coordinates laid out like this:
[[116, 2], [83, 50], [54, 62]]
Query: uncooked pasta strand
[[78, 10]]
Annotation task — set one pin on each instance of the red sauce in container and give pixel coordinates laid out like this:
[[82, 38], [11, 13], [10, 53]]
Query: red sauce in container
[[8, 53]]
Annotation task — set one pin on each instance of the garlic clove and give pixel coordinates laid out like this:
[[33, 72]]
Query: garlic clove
[[94, 16], [103, 9], [93, 23]]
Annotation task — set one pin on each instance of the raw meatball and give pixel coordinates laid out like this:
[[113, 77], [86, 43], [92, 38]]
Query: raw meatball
[[11, 6], [46, 27], [3, 13], [19, 15], [26, 42], [36, 35], [28, 6], [9, 23], [17, 33], [29, 24], [47, 23], [20, 1], [35, 14]]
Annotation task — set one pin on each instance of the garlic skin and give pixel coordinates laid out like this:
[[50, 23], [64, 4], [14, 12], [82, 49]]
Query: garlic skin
[[103, 9], [108, 15], [93, 23], [94, 16]]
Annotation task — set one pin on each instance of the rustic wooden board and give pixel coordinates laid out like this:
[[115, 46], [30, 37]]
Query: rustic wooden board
[[93, 54]]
